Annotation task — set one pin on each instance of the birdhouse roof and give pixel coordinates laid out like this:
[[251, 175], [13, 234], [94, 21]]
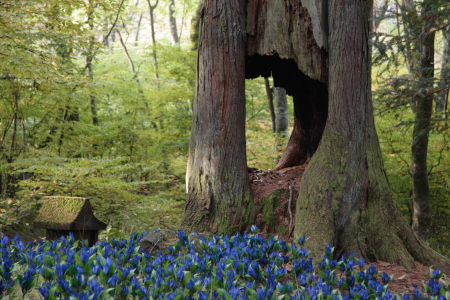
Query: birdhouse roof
[[67, 213]]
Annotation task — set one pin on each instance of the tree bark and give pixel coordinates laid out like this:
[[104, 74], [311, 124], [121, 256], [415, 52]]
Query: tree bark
[[344, 197], [442, 98], [281, 116], [173, 23], [269, 93], [219, 197], [89, 58], [138, 28], [281, 42], [422, 123], [152, 27]]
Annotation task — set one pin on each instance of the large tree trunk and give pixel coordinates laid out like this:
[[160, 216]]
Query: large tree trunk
[[344, 195], [422, 123], [219, 197]]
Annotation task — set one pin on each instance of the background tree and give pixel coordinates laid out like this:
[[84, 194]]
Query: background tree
[[410, 44]]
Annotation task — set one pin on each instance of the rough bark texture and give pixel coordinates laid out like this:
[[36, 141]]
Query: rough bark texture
[[219, 197], [284, 28], [344, 195], [422, 123], [281, 43]]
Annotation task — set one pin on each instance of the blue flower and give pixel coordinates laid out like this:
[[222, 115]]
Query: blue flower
[[302, 240], [124, 290], [253, 228], [180, 274], [190, 285], [95, 269], [4, 241], [417, 293], [385, 278], [113, 280], [436, 274], [434, 287], [261, 294], [361, 262], [202, 295], [234, 293], [44, 291]]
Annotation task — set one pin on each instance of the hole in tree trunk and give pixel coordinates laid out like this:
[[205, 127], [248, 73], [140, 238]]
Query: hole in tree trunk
[[310, 105]]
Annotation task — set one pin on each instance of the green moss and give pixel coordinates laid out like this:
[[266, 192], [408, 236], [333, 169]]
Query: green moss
[[59, 212], [269, 204]]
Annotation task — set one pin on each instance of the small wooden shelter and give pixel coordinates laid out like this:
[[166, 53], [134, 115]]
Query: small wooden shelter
[[60, 215]]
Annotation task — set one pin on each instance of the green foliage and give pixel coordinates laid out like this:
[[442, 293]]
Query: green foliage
[[131, 162], [262, 152], [399, 83]]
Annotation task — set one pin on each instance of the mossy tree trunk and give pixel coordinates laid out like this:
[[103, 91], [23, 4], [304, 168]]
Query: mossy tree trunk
[[344, 195], [219, 197]]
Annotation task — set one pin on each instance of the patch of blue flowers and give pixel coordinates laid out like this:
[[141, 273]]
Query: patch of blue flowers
[[243, 266]]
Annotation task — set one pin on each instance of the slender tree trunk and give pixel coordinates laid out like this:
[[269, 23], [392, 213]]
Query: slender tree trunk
[[269, 93], [173, 23], [133, 70], [422, 122], [378, 11], [136, 37], [152, 26], [89, 58], [442, 98], [281, 116], [11, 156], [219, 197]]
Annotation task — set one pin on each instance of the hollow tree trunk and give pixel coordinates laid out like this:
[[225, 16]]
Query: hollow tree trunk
[[282, 42], [344, 195], [219, 197]]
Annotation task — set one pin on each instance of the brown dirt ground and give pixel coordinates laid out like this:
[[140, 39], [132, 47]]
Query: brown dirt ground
[[265, 182]]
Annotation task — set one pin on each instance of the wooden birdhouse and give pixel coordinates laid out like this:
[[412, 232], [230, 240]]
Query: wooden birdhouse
[[61, 215]]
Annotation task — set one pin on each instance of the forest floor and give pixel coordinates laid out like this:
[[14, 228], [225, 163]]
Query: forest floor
[[265, 182]]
